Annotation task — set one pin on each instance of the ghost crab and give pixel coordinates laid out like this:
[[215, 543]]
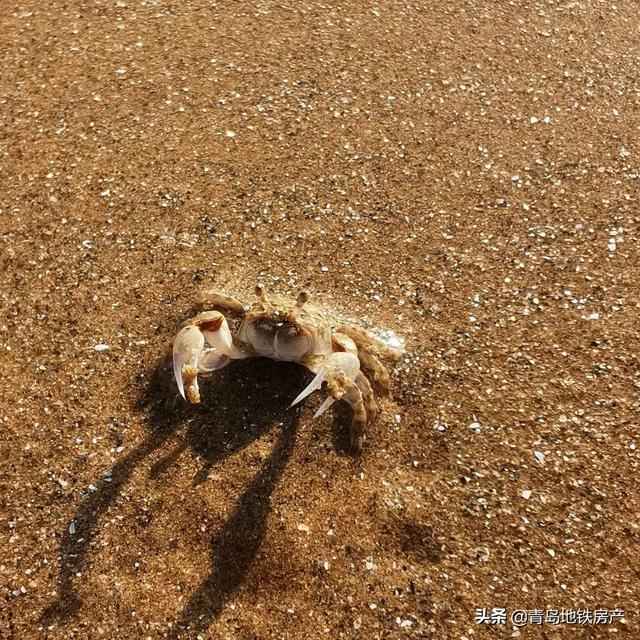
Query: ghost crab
[[282, 329]]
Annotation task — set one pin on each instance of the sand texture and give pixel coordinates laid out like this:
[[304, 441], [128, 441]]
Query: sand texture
[[464, 173]]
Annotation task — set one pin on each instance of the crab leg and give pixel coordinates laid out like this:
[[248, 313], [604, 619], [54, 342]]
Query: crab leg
[[379, 371], [191, 356], [366, 340], [215, 299], [353, 397], [367, 396]]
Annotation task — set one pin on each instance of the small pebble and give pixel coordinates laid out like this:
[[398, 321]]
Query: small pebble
[[405, 624]]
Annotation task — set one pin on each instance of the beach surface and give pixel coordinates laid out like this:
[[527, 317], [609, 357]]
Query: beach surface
[[464, 174]]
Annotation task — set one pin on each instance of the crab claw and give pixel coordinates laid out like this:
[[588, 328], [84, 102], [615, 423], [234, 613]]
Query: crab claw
[[187, 347], [324, 406], [338, 371], [314, 385]]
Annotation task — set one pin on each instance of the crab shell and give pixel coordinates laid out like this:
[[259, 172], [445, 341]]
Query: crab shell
[[276, 329]]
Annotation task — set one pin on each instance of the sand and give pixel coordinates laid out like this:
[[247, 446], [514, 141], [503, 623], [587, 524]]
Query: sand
[[464, 173]]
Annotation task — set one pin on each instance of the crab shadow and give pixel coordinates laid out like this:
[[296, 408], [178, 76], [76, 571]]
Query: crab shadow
[[236, 544], [239, 405]]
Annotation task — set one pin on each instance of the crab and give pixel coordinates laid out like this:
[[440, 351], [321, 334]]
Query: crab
[[289, 330]]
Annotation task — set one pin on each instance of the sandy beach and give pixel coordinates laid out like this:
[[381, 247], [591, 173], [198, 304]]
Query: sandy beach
[[464, 173]]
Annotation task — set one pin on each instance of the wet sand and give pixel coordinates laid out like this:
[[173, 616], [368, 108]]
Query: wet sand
[[462, 173]]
